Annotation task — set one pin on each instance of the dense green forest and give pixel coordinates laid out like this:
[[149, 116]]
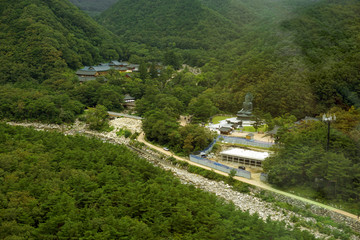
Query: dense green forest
[[93, 7], [302, 159], [42, 43], [297, 57], [172, 23], [42, 39], [54, 186]]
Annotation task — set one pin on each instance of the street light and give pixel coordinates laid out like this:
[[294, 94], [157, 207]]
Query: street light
[[328, 120]]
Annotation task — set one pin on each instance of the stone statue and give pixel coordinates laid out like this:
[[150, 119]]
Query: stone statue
[[246, 112]]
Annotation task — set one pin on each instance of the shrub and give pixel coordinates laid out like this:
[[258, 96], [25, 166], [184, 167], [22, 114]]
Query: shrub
[[124, 132]]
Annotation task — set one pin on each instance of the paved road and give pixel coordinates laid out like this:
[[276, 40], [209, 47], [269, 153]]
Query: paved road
[[253, 182], [115, 114]]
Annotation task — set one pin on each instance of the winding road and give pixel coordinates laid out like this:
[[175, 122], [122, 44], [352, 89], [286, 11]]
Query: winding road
[[253, 182]]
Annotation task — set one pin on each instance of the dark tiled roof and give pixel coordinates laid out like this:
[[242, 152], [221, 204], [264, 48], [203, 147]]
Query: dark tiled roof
[[307, 119], [85, 72], [100, 68], [225, 129], [128, 97], [134, 65]]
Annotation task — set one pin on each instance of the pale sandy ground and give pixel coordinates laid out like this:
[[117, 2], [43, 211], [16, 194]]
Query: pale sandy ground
[[257, 136], [184, 120]]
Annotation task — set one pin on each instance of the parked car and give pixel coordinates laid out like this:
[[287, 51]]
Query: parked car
[[241, 167], [166, 149]]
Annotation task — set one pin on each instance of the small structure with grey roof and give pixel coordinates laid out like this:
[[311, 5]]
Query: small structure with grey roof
[[123, 69], [129, 101], [117, 65], [250, 136], [225, 130], [100, 69], [91, 72], [129, 98], [134, 67], [307, 120], [86, 75], [244, 157]]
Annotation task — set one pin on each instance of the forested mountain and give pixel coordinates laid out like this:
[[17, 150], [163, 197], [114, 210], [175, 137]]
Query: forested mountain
[[42, 43], [297, 57], [58, 187], [186, 24], [328, 34], [40, 39], [93, 7]]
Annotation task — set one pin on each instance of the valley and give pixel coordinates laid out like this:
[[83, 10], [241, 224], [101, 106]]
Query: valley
[[121, 86]]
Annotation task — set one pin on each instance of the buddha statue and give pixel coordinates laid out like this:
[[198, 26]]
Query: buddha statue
[[246, 111]]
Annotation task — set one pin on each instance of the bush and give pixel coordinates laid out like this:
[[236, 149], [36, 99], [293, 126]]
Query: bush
[[172, 160], [127, 133], [241, 187], [124, 132]]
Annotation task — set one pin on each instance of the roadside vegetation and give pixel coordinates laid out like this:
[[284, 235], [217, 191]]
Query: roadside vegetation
[[303, 158]]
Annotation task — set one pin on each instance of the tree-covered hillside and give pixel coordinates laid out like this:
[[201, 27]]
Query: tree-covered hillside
[[42, 43], [328, 35], [42, 39], [169, 23], [93, 7], [303, 159], [297, 57], [58, 187]]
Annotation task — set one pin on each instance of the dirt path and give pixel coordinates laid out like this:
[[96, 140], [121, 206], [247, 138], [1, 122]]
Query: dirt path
[[255, 182], [184, 120]]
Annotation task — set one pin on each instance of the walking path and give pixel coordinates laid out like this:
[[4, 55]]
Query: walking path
[[253, 182], [115, 114]]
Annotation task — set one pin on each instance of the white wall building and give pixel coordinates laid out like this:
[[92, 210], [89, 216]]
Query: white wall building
[[244, 157]]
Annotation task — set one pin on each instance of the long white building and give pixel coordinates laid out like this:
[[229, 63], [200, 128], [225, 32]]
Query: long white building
[[244, 157]]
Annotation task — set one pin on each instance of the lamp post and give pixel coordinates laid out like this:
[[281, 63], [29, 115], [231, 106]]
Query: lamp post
[[328, 119]]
